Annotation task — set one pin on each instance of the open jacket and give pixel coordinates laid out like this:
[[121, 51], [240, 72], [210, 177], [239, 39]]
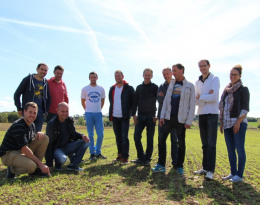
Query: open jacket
[[53, 132], [26, 89], [186, 106]]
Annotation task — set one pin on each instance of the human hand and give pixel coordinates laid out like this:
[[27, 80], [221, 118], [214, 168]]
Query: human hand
[[154, 120], [161, 93], [221, 127], [85, 138], [135, 119], [187, 126], [39, 135], [20, 112], [198, 96], [211, 91], [161, 122], [45, 169], [236, 127]]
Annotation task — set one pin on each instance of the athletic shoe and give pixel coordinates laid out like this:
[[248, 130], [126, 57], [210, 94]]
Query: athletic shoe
[[92, 157], [58, 167], [159, 168], [100, 156], [138, 161], [228, 177], [74, 167], [38, 172], [180, 170], [201, 171], [124, 161], [210, 175], [9, 174], [147, 163], [236, 179], [118, 159]]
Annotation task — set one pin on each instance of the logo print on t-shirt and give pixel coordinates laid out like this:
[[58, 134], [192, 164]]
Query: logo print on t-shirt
[[94, 97], [176, 91], [38, 92]]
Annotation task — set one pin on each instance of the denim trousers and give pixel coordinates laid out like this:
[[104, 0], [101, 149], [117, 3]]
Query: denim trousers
[[95, 119], [208, 125], [75, 150], [236, 142], [174, 144], [38, 122], [121, 128], [166, 129], [144, 121]]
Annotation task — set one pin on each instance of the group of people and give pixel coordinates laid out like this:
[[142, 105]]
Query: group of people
[[24, 145]]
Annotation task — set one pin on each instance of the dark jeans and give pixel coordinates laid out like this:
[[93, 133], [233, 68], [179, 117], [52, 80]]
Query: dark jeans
[[208, 125], [174, 144], [38, 122], [121, 128], [144, 121], [236, 142], [50, 116], [166, 129]]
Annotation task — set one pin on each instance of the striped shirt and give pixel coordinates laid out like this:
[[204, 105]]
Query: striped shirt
[[17, 136]]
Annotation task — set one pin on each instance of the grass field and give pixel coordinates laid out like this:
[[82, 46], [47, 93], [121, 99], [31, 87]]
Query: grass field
[[103, 182]]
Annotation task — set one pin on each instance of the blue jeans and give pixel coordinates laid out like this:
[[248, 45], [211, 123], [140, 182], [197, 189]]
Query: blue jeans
[[236, 142], [95, 119], [174, 144], [144, 121], [121, 128], [38, 122], [75, 151], [208, 125]]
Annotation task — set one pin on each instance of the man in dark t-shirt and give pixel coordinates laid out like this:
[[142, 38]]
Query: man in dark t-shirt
[[22, 150], [64, 141]]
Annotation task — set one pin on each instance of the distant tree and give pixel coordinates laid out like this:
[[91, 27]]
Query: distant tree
[[251, 119], [81, 121], [13, 116], [3, 117]]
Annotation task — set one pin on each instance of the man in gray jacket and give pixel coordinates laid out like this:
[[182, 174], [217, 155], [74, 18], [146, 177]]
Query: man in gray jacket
[[177, 112]]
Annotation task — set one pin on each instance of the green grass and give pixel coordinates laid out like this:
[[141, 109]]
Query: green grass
[[103, 182], [253, 124]]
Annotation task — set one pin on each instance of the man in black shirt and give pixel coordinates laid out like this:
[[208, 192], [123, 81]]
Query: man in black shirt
[[21, 150], [145, 100], [64, 141]]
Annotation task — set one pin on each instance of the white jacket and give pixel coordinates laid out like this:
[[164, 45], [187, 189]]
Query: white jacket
[[207, 103], [186, 106]]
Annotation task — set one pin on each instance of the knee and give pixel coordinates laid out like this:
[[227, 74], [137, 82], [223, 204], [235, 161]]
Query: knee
[[31, 167], [61, 159], [45, 139], [86, 145]]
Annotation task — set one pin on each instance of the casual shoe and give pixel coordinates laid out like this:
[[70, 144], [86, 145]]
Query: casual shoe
[[124, 161], [147, 163], [100, 156], [38, 172], [209, 175], [118, 159], [236, 179], [201, 171], [92, 157], [9, 174], [58, 167], [159, 168], [228, 177], [74, 167], [180, 170], [137, 161]]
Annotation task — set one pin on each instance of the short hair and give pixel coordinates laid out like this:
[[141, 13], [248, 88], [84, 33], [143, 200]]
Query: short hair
[[63, 103], [119, 71], [179, 66], [92, 73], [30, 104], [148, 69], [238, 68], [40, 64], [205, 60], [167, 69], [58, 67]]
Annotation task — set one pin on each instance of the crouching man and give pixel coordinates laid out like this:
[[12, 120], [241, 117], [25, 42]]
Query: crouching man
[[64, 141], [22, 150]]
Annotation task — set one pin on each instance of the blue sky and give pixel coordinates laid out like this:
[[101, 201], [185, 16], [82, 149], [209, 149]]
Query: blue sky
[[104, 36]]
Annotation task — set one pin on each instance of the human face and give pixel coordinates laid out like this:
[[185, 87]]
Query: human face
[[93, 79], [167, 74], [42, 71], [204, 67], [63, 112], [30, 115], [177, 73], [58, 75], [147, 76], [119, 78], [234, 76]]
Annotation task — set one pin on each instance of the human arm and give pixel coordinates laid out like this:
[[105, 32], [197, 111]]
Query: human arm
[[48, 100], [50, 148], [102, 102], [83, 103], [211, 96], [19, 91], [191, 107], [66, 96], [135, 102]]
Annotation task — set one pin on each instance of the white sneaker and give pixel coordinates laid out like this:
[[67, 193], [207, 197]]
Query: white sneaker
[[201, 171], [228, 177], [236, 179], [210, 175]]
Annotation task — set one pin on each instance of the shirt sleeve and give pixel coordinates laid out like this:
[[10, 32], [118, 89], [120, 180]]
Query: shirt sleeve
[[103, 94], [242, 113], [20, 135], [83, 93]]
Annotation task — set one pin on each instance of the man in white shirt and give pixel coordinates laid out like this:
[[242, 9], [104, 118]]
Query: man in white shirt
[[92, 100], [207, 97], [121, 97]]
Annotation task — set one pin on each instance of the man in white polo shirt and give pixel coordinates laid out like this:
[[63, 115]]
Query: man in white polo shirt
[[92, 100]]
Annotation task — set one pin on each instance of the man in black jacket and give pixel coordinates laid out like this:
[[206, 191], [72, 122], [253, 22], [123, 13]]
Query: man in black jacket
[[34, 88], [121, 98], [64, 141], [145, 100]]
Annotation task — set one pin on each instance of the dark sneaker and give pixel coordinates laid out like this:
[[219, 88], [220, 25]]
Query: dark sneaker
[[58, 167], [118, 159], [138, 161], [100, 156], [74, 167], [147, 163], [124, 161], [9, 174], [159, 168], [38, 172], [92, 157]]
